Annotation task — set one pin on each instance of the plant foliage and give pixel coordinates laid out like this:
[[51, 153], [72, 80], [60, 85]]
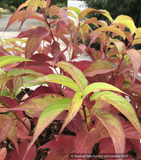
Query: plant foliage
[[96, 94]]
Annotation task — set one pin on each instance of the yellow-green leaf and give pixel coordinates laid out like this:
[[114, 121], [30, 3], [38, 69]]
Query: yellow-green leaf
[[119, 103], [74, 108], [100, 86]]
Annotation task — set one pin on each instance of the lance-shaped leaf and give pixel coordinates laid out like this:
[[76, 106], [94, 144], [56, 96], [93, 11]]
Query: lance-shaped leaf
[[62, 150], [75, 9], [98, 67], [14, 85], [5, 126], [12, 136], [23, 73], [135, 58], [4, 60], [121, 104], [76, 74], [34, 40], [100, 86], [74, 108], [32, 7], [88, 11], [110, 29], [38, 103], [22, 149], [47, 116], [3, 153], [125, 21], [114, 127], [59, 79], [85, 140]]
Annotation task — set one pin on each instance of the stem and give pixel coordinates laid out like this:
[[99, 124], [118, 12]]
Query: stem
[[85, 116]]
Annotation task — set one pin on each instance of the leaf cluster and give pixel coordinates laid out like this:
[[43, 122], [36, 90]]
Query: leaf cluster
[[94, 93]]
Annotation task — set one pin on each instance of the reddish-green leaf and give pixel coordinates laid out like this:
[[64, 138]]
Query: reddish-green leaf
[[74, 108], [5, 126], [121, 104], [100, 86], [14, 85], [48, 115], [34, 40], [135, 58], [85, 140], [38, 103], [3, 153], [32, 7], [114, 126], [76, 74], [12, 136], [98, 67]]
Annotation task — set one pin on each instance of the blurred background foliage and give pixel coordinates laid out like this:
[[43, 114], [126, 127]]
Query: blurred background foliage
[[131, 8]]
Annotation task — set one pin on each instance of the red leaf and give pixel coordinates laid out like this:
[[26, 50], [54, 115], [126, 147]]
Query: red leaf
[[3, 153], [55, 51], [135, 58], [34, 40], [130, 131], [31, 155], [82, 65], [11, 103], [85, 140], [54, 142], [40, 90], [48, 3], [62, 150], [21, 127], [137, 145]]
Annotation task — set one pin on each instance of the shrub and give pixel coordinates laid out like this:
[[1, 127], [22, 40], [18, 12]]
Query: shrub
[[97, 100]]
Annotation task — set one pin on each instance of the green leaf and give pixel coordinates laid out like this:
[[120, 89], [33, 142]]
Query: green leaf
[[18, 73], [74, 108], [100, 86], [47, 116], [114, 127], [76, 74], [4, 60], [59, 79], [75, 9], [121, 104]]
